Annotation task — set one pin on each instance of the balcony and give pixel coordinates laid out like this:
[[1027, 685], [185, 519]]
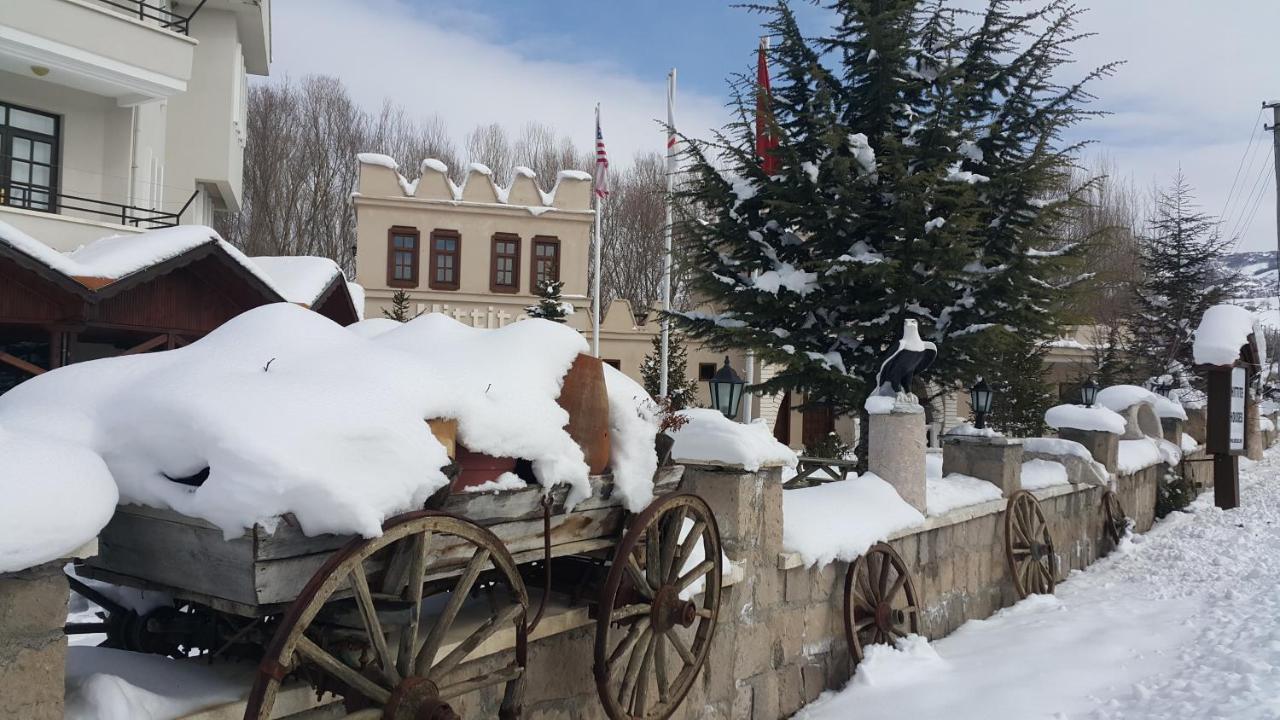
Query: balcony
[[132, 51]]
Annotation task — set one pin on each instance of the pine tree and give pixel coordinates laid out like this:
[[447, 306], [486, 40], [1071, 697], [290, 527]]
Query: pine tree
[[399, 310], [1020, 394], [919, 177], [1183, 275], [682, 389], [550, 306]]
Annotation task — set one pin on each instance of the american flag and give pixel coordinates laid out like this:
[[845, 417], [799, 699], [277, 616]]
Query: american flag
[[601, 184]]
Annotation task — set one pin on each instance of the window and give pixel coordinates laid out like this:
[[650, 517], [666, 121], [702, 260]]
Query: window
[[706, 371], [546, 261], [617, 364], [28, 158], [402, 257], [504, 263], [446, 250]]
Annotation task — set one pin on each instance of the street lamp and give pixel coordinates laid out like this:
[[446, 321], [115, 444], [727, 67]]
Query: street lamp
[[980, 400], [726, 390], [1089, 392]]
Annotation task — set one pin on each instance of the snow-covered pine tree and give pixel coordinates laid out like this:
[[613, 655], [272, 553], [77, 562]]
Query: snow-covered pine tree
[[1183, 275], [682, 389], [550, 305], [399, 310], [1021, 395], [918, 178]]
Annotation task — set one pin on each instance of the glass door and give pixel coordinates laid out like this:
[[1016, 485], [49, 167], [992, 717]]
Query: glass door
[[28, 158]]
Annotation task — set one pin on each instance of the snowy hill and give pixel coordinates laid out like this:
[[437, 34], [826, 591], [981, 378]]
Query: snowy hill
[[1258, 282]]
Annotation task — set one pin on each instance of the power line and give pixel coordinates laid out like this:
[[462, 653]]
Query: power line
[[1241, 206], [1253, 213], [1253, 198], [1253, 134]]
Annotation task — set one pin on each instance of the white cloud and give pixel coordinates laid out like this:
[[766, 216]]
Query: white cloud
[[445, 65]]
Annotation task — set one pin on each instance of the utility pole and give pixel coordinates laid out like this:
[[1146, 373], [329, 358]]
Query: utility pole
[[1275, 142]]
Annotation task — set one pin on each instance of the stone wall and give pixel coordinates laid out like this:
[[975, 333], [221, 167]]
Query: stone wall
[[33, 608]]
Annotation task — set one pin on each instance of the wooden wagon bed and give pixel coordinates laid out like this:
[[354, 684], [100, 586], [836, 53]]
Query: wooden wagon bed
[[261, 572]]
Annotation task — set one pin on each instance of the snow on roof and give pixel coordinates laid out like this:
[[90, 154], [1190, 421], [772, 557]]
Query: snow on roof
[[36, 250], [1223, 330], [292, 413], [456, 192], [1121, 397], [1079, 417], [356, 291], [300, 279], [57, 496], [840, 520], [710, 437]]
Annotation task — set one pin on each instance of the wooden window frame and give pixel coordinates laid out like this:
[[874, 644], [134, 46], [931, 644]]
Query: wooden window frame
[[703, 374], [616, 364], [404, 230], [514, 287], [7, 135], [432, 254], [533, 258]]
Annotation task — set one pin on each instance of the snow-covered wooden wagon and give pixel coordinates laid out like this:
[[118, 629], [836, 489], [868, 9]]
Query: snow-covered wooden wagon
[[269, 505]]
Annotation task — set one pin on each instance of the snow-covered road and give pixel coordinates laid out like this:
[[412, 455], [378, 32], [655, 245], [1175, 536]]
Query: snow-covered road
[[1181, 623]]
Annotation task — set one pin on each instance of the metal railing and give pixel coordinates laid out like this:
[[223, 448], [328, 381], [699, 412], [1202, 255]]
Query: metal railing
[[59, 203], [160, 15]]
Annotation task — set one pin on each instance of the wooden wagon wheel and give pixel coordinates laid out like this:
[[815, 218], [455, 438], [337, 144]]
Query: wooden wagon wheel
[[653, 632], [879, 600], [1029, 546], [1116, 522], [380, 660]]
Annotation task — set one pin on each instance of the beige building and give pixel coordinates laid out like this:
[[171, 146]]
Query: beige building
[[122, 116]]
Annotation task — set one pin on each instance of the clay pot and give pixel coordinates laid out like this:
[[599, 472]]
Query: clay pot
[[446, 432], [583, 395], [477, 468]]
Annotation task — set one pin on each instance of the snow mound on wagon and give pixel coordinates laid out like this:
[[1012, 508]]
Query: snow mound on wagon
[[291, 413]]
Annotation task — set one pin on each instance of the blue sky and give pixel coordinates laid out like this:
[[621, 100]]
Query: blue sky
[[1188, 96]]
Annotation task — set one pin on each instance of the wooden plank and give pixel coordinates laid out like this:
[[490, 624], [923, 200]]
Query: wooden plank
[[21, 364]]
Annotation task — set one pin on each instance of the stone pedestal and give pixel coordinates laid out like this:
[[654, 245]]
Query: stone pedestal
[[33, 649], [1103, 446], [1195, 424], [998, 460], [1253, 442], [895, 451], [1172, 428]]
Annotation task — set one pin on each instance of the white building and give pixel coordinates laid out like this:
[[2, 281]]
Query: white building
[[124, 115]]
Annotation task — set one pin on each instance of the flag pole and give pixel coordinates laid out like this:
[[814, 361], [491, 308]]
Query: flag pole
[[751, 353], [666, 258], [595, 265]]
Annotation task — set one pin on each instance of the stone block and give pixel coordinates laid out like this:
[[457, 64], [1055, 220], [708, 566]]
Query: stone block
[[1172, 428], [1103, 446], [34, 601], [789, 628], [31, 680], [791, 694], [823, 619], [814, 677], [753, 652], [998, 460], [764, 699], [799, 586], [742, 702], [896, 448]]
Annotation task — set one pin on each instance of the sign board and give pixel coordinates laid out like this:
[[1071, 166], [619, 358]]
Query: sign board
[[1236, 411]]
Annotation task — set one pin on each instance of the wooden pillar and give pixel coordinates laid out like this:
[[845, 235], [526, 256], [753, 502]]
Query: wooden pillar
[[57, 342], [1226, 483]]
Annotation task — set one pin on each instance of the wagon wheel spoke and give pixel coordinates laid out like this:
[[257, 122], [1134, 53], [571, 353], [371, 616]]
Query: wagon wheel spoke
[[479, 635], [627, 644], [896, 588], [1019, 551], [427, 655], [340, 670], [660, 668], [625, 692], [698, 571], [372, 625], [418, 548], [864, 578], [629, 611], [641, 695], [686, 656], [638, 578], [883, 585], [686, 547], [671, 543], [483, 680]]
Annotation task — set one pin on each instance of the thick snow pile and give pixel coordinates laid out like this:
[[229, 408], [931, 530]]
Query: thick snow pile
[[633, 425], [1038, 474], [300, 279], [1078, 417], [968, 430], [840, 520], [879, 404], [1121, 397], [1066, 448], [709, 437], [109, 684], [290, 412], [1135, 455], [1179, 623], [57, 496], [944, 494], [1189, 444], [502, 192], [1223, 330], [373, 327]]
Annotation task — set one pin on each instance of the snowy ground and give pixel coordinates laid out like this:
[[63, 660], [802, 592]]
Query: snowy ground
[[1183, 622]]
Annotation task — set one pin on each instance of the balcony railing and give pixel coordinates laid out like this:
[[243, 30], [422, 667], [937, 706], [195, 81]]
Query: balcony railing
[[155, 13], [28, 197]]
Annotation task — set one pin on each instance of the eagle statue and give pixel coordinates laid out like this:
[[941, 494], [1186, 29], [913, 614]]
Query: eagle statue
[[910, 357]]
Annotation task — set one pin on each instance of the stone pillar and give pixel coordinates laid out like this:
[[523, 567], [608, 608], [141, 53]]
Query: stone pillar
[[1253, 443], [739, 680], [1103, 446], [1172, 428], [1195, 424], [33, 649], [895, 451], [998, 460]]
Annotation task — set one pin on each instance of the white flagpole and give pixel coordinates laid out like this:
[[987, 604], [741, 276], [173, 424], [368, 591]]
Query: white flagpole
[[595, 279], [666, 260]]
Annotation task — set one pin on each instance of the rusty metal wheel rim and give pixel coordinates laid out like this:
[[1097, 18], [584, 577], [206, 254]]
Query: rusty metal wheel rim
[[651, 566], [400, 683], [1029, 546], [880, 602], [1115, 521]]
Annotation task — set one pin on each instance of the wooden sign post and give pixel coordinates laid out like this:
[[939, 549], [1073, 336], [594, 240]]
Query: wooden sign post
[[1228, 387]]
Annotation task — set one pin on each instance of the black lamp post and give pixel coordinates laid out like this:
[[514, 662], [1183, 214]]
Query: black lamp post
[[980, 400], [1089, 392], [726, 390]]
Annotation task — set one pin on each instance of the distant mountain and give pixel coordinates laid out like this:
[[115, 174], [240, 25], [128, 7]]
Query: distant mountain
[[1258, 272]]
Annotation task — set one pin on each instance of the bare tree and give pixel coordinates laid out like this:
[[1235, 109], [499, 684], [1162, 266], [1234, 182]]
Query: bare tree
[[490, 146]]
